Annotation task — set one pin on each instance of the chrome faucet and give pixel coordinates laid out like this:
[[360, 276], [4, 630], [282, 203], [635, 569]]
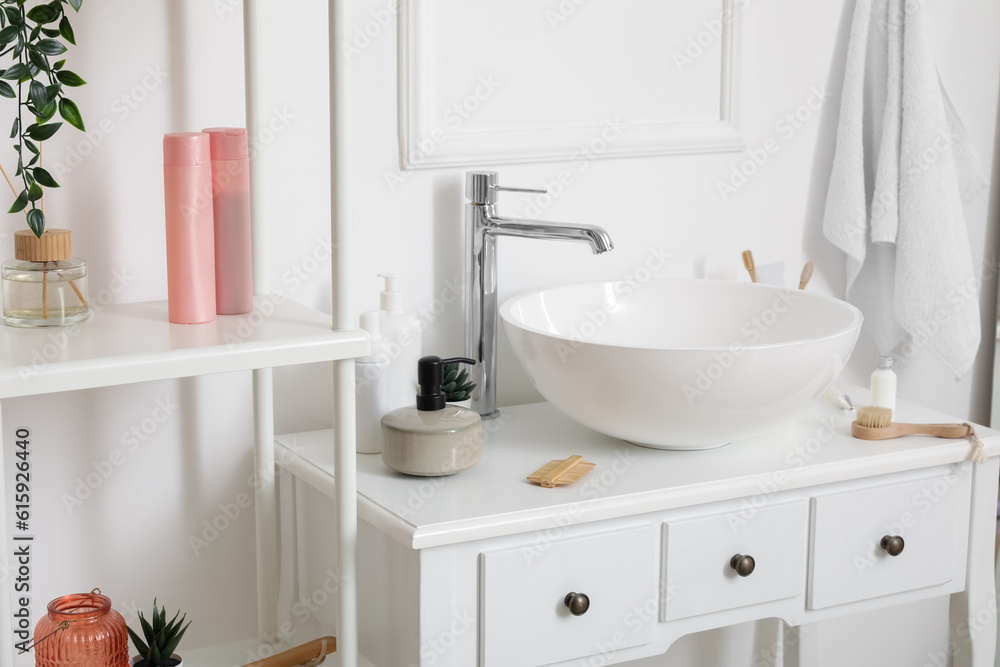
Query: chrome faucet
[[482, 227]]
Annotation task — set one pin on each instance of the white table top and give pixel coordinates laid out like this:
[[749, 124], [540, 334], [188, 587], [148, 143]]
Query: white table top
[[494, 498]]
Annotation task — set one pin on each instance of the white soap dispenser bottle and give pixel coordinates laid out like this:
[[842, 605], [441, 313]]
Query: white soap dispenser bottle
[[372, 382], [401, 331], [883, 388]]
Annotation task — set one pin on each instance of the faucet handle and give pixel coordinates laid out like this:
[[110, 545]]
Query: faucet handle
[[481, 187]]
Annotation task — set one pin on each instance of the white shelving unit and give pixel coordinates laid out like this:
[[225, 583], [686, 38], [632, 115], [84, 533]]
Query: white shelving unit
[[123, 344]]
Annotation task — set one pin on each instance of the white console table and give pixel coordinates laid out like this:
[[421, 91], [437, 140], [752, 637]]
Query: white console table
[[474, 569]]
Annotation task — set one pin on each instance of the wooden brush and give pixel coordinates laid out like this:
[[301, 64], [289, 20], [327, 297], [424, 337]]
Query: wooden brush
[[874, 423], [560, 472], [748, 263], [807, 274]]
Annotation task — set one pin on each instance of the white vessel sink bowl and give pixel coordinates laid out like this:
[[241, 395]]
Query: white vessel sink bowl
[[680, 364]]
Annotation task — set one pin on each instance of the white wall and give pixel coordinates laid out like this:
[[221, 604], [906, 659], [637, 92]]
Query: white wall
[[130, 536]]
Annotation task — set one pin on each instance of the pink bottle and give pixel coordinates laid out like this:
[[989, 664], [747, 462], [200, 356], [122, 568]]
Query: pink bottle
[[231, 194], [187, 179]]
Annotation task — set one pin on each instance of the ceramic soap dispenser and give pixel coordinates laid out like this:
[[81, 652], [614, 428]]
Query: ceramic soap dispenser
[[432, 438]]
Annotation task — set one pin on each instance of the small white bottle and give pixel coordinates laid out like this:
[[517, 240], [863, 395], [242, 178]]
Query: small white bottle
[[883, 389], [401, 331], [372, 382]]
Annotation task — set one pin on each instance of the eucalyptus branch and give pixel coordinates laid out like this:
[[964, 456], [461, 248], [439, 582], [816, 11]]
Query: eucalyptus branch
[[32, 46]]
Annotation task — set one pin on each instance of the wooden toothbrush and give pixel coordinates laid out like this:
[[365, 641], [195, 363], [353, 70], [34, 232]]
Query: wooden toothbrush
[[874, 423], [807, 274], [748, 263]]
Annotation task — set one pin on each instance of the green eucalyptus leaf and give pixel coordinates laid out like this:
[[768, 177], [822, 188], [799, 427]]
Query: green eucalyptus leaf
[[36, 221], [71, 114], [38, 60], [7, 90], [15, 72], [20, 202], [46, 113], [42, 132], [51, 47], [67, 30], [45, 178], [38, 94], [42, 14], [69, 78]]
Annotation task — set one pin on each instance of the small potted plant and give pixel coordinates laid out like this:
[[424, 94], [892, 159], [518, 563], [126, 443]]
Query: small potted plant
[[44, 285], [161, 639], [456, 386]]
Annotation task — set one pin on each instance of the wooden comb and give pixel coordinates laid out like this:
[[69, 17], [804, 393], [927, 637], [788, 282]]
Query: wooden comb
[[561, 472]]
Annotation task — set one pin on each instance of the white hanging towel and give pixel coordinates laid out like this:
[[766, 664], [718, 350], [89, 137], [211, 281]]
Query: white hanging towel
[[903, 168]]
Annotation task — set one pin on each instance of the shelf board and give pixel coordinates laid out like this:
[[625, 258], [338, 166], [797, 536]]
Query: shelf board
[[238, 653], [126, 343], [494, 498]]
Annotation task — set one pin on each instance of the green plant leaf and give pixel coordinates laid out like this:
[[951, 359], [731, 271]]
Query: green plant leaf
[[170, 645], [34, 192], [42, 14], [42, 132], [38, 60], [76, 4], [46, 113], [8, 35], [69, 78], [45, 178], [67, 30], [51, 47], [147, 629], [59, 65], [7, 90], [51, 32], [451, 376], [15, 72], [31, 145], [20, 202], [37, 94], [36, 221], [140, 646], [13, 15], [71, 114], [14, 128]]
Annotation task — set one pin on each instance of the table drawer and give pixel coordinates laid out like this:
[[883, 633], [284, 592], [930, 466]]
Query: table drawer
[[525, 621], [698, 553], [848, 562]]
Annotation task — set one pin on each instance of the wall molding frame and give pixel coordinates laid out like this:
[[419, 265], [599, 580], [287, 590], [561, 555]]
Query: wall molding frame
[[422, 145]]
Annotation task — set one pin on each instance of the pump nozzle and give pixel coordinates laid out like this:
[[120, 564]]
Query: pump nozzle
[[430, 376], [391, 299]]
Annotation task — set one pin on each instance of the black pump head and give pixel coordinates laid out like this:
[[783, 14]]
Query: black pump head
[[430, 377]]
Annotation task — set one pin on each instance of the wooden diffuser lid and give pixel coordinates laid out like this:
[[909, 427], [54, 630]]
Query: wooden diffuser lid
[[55, 245]]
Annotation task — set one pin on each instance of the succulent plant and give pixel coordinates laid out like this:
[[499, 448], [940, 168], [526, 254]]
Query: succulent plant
[[456, 383], [161, 638]]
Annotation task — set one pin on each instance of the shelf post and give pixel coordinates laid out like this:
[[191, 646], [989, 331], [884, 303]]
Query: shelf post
[[345, 452], [265, 497]]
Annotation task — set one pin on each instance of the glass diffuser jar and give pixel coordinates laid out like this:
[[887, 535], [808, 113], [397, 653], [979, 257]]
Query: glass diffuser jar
[[81, 631], [44, 285]]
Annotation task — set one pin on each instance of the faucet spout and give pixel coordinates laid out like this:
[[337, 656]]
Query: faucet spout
[[597, 237], [483, 226]]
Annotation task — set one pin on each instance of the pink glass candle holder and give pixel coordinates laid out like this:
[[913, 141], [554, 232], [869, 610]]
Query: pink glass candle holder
[[81, 631]]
